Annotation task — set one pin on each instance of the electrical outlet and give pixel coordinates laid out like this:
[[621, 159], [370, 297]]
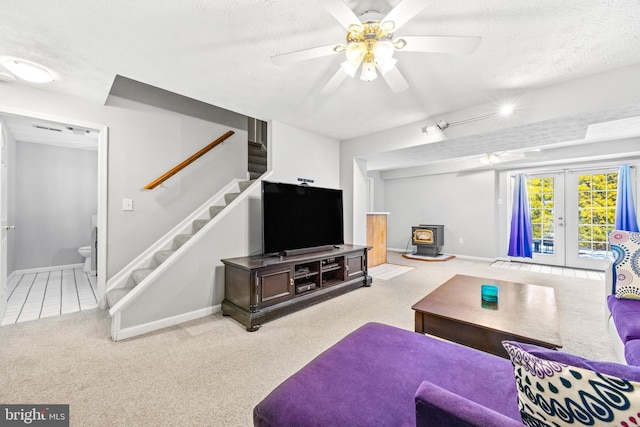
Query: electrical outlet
[[461, 240], [127, 204]]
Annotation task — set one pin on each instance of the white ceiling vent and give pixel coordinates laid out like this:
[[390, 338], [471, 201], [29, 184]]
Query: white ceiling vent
[[47, 128]]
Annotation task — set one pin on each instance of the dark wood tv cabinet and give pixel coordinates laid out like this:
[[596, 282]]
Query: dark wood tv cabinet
[[261, 288]]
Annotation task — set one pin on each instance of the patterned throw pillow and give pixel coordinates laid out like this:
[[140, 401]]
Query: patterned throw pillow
[[553, 393], [625, 246], [628, 292]]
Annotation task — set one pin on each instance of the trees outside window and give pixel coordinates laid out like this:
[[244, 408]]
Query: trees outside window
[[597, 195]]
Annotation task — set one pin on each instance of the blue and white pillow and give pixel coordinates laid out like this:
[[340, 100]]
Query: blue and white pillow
[[552, 392], [625, 246]]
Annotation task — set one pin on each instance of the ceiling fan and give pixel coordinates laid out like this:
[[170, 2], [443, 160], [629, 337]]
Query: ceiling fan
[[371, 43]]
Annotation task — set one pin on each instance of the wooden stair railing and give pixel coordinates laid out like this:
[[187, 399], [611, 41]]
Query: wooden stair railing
[[153, 184]]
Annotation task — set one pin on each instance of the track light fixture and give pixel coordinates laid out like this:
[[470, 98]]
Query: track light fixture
[[505, 110]]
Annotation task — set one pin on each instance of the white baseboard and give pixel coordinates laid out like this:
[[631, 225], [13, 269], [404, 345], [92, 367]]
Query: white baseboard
[[134, 331], [41, 269], [473, 258]]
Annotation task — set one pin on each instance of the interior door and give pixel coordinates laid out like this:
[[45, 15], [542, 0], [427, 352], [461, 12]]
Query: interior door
[[546, 204], [3, 220]]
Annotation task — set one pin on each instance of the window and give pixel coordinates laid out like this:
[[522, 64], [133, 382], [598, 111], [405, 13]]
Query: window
[[541, 204], [596, 213]]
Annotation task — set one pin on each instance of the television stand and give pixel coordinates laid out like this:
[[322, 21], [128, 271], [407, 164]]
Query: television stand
[[262, 288]]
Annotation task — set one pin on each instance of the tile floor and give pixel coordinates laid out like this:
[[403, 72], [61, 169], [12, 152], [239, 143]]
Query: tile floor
[[387, 271], [49, 293], [550, 269]]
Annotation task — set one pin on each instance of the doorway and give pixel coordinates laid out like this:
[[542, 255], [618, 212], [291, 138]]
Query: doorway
[[6, 202], [572, 213]]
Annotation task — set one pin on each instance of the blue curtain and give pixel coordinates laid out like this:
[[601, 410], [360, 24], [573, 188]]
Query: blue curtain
[[521, 238], [625, 206]]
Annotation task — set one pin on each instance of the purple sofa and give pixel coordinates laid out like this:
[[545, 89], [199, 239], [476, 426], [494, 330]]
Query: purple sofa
[[624, 328], [622, 291], [380, 375]]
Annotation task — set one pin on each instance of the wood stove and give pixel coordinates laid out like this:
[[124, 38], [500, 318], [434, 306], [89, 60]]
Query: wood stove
[[428, 239]]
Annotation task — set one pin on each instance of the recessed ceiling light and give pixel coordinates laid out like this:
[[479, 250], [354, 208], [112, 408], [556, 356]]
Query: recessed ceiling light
[[29, 71], [506, 109], [6, 77]]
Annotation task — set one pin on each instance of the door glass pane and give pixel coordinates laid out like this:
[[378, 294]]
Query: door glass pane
[[541, 204], [596, 213]]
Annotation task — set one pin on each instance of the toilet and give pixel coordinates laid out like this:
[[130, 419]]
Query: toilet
[[85, 251]]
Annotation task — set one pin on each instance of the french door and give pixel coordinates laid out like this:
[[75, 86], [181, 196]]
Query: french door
[[546, 205], [572, 213]]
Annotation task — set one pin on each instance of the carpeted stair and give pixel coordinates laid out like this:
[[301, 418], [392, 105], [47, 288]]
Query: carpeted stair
[[257, 160], [138, 275]]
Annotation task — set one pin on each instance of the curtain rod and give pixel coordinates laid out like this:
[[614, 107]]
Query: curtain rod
[[574, 170]]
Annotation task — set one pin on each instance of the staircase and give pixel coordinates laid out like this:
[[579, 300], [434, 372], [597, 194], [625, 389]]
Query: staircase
[[121, 286], [257, 160]]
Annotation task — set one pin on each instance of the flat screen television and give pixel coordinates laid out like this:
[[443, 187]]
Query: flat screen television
[[297, 217]]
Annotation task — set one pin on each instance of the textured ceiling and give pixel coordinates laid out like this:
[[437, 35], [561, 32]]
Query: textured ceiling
[[218, 52]]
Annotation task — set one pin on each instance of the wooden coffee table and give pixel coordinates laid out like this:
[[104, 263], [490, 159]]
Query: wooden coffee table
[[454, 311]]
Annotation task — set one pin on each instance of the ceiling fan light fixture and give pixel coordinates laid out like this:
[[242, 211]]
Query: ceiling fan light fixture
[[368, 71], [388, 26], [399, 43], [491, 159], [355, 52], [350, 68], [339, 48], [355, 28], [383, 51]]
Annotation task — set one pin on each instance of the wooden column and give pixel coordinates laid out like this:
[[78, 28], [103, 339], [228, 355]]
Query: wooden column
[[377, 237]]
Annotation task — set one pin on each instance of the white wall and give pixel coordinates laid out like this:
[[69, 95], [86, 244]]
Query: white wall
[[378, 191], [297, 153], [143, 143], [610, 89], [294, 153], [464, 204], [195, 282], [56, 192]]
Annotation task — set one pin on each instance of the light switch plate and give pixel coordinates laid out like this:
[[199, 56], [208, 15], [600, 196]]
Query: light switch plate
[[127, 204]]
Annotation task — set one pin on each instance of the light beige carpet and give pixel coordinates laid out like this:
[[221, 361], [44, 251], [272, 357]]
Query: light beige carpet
[[211, 372]]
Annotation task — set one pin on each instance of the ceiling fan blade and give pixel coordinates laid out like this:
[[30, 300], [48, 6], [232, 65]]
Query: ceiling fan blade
[[303, 55], [441, 44], [335, 81], [404, 11], [395, 80], [339, 10]]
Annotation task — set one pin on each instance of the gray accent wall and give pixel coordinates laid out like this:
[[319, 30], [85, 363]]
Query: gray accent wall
[[56, 192], [134, 90], [463, 203]]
